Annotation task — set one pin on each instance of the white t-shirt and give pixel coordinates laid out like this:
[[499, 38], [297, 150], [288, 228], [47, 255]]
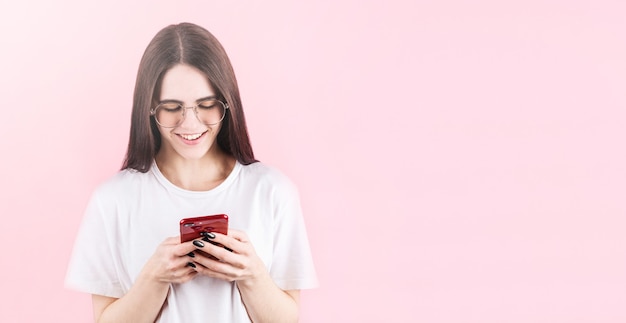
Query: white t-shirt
[[129, 215]]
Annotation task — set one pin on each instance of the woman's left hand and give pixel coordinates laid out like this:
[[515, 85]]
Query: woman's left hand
[[242, 264]]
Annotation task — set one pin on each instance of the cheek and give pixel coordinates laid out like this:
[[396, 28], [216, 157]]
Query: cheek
[[166, 136], [164, 132], [215, 129]]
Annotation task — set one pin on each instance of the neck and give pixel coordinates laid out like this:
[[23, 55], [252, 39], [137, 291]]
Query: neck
[[201, 174]]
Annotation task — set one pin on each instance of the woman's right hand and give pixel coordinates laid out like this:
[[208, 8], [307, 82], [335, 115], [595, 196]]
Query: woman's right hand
[[170, 262], [145, 298]]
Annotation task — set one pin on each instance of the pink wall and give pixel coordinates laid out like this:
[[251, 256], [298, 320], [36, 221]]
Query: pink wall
[[459, 161]]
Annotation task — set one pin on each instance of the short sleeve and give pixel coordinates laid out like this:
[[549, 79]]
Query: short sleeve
[[292, 263], [93, 265]]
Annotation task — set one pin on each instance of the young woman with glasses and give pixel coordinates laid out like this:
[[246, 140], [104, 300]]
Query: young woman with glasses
[[189, 155]]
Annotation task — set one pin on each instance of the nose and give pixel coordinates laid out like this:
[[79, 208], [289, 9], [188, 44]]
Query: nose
[[190, 119]]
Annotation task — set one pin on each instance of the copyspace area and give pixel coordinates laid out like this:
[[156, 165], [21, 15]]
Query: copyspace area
[[458, 161]]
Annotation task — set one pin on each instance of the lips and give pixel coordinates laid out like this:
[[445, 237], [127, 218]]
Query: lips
[[192, 136]]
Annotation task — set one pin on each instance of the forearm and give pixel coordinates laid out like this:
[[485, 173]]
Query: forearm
[[142, 303], [266, 302]]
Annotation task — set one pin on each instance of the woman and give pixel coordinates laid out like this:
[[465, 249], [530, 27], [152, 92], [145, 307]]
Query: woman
[[189, 155]]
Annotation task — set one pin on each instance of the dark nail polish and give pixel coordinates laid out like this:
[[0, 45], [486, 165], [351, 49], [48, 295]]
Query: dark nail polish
[[191, 264], [191, 254], [198, 243], [210, 235]]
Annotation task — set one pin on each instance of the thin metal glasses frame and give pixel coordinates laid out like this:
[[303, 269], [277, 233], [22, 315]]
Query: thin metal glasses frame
[[153, 112]]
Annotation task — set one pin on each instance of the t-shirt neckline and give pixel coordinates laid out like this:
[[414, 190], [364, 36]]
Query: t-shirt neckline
[[173, 188]]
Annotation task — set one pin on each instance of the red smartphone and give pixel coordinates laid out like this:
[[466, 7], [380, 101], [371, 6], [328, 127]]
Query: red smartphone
[[193, 228]]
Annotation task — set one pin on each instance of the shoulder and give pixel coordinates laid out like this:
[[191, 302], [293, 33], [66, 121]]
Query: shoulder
[[266, 173], [122, 184], [267, 176]]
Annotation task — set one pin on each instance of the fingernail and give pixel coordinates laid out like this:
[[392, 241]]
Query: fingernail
[[191, 254], [191, 264], [198, 243], [209, 235]]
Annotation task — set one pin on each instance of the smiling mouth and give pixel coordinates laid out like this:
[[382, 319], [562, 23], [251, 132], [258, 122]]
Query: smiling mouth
[[192, 136]]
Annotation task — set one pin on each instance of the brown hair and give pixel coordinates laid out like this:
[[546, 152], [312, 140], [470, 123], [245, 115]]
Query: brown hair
[[192, 45]]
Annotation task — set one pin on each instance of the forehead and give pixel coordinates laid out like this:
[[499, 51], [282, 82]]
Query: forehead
[[185, 83]]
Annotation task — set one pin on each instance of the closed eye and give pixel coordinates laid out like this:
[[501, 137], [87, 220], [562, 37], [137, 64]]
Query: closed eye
[[171, 107], [206, 105]]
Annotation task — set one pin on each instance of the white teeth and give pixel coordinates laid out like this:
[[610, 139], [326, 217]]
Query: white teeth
[[191, 137]]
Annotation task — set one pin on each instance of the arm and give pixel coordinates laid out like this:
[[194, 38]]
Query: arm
[[142, 303], [263, 299], [144, 300], [265, 302]]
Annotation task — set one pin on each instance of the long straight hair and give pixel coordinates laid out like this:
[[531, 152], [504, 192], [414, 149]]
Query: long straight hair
[[192, 45]]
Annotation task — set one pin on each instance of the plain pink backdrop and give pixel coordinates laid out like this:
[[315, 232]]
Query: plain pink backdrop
[[458, 161]]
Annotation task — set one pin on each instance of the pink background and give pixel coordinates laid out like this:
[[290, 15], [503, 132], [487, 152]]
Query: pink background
[[458, 161]]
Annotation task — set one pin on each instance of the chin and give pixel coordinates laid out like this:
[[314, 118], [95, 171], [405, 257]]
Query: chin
[[194, 155]]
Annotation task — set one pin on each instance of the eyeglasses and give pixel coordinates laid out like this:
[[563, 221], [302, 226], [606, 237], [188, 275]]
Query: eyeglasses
[[171, 114]]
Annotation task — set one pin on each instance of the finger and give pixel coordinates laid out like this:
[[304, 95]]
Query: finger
[[171, 240], [222, 255], [184, 275], [228, 242], [175, 265], [189, 276], [217, 269], [238, 235], [177, 271], [183, 249]]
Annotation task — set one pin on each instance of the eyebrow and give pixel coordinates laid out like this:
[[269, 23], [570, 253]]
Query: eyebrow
[[210, 97]]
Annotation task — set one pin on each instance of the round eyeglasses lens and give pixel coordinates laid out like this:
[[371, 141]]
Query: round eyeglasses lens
[[168, 115], [209, 112]]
